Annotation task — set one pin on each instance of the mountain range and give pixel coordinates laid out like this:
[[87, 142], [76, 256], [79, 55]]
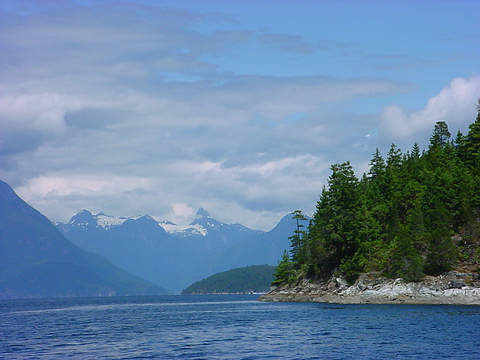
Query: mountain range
[[174, 256], [37, 261]]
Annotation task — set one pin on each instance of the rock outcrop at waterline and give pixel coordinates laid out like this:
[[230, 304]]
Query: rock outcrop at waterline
[[454, 287]]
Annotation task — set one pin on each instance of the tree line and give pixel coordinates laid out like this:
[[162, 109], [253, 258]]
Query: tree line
[[413, 214]]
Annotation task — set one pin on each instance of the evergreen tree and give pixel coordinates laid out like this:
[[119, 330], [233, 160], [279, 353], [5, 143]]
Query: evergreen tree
[[459, 144], [441, 135], [284, 271], [377, 166], [472, 157], [394, 182], [298, 245], [472, 143], [415, 154], [394, 158], [403, 259], [400, 217], [335, 222], [442, 253]]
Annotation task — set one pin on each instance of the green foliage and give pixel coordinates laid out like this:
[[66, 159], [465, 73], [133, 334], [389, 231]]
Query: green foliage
[[334, 227], [442, 253], [351, 268], [284, 271], [440, 135], [399, 218], [255, 278], [472, 143], [404, 261], [299, 248]]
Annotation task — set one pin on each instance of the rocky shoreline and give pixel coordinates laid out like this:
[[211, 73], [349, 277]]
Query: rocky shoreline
[[452, 288]]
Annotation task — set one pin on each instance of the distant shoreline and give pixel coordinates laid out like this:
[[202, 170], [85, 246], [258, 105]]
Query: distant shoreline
[[452, 288]]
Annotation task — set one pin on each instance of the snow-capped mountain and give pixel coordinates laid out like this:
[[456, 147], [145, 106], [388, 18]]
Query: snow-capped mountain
[[204, 220], [37, 261], [183, 230], [86, 220], [176, 255], [201, 225]]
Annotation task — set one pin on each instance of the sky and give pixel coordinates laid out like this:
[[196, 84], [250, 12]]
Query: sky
[[239, 107]]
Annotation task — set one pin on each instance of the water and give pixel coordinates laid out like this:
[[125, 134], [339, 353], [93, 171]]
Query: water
[[232, 327]]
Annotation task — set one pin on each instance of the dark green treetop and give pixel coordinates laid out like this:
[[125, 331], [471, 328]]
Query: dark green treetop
[[441, 135]]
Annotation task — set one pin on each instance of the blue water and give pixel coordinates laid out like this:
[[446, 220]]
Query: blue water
[[232, 327]]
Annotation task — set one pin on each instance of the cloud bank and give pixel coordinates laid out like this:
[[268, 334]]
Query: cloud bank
[[455, 104], [125, 109]]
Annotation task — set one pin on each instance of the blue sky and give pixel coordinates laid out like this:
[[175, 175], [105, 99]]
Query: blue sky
[[240, 107]]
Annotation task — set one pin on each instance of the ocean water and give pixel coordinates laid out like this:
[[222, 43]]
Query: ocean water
[[232, 327]]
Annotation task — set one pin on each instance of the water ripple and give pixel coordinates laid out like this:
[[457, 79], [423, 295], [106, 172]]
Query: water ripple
[[232, 327]]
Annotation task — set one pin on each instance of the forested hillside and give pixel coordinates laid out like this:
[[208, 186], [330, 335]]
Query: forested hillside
[[413, 214], [255, 278]]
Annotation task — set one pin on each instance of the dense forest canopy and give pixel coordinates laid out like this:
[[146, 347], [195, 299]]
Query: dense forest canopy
[[255, 278], [413, 214]]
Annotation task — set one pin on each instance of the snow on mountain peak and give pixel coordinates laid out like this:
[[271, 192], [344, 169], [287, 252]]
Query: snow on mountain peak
[[171, 228], [204, 219], [107, 221], [82, 219], [86, 219]]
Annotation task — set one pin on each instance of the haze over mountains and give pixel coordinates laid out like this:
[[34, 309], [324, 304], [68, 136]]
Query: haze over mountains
[[37, 261], [174, 256], [94, 254]]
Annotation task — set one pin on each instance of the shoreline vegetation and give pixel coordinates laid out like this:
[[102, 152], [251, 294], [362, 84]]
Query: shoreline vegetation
[[408, 231]]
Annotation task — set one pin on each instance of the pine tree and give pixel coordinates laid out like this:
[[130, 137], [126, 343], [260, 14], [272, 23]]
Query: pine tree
[[394, 157], [400, 217], [442, 253], [394, 182], [459, 144], [415, 154], [472, 143], [403, 259], [377, 166], [298, 245], [440, 136], [334, 226], [284, 271]]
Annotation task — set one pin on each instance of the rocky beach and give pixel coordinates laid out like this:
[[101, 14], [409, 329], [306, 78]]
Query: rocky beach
[[453, 288]]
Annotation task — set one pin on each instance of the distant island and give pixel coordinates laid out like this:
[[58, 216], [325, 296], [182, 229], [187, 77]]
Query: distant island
[[407, 231], [255, 278]]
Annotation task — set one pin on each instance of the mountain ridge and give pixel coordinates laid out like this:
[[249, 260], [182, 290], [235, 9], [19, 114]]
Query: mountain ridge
[[33, 252], [200, 225], [178, 255]]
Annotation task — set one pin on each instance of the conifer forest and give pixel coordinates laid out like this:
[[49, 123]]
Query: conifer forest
[[414, 213]]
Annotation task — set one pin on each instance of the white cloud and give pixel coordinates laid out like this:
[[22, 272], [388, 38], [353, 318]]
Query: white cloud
[[56, 186], [454, 104], [39, 111], [181, 213], [110, 108]]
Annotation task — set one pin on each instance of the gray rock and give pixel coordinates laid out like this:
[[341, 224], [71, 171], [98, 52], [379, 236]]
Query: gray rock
[[372, 288]]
